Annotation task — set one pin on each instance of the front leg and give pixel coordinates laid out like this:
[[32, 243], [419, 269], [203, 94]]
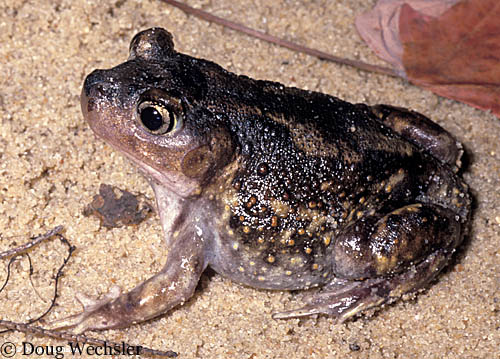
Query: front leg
[[167, 289]]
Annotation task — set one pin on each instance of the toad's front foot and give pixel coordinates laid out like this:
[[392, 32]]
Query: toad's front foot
[[97, 314], [165, 290]]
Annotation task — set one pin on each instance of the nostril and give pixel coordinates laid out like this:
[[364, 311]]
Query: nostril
[[94, 87], [94, 78]]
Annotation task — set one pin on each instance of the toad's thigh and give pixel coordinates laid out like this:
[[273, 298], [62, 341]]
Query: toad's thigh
[[377, 246]]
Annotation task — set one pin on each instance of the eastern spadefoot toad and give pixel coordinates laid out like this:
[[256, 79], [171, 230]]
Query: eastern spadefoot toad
[[275, 187]]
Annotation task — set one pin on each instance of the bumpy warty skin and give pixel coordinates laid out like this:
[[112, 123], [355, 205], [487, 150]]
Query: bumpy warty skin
[[278, 187]]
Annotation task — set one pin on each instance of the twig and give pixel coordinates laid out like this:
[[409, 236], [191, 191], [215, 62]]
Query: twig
[[18, 251], [82, 339], [282, 42], [34, 242], [59, 273]]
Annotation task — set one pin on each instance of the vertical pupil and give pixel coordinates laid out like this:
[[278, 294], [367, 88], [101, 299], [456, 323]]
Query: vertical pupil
[[151, 118]]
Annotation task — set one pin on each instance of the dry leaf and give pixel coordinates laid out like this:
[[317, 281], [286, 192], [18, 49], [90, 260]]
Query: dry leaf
[[456, 55], [450, 47], [379, 27], [116, 207]]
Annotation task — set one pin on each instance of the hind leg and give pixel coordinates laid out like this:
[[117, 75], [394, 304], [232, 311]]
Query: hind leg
[[344, 299], [377, 260], [422, 131]]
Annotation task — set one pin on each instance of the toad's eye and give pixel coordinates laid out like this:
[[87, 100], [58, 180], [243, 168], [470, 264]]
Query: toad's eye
[[157, 118]]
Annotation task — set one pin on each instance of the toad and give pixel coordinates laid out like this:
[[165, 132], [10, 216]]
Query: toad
[[274, 187]]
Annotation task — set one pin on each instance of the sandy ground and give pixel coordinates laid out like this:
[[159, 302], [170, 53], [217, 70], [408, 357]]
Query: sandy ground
[[51, 165]]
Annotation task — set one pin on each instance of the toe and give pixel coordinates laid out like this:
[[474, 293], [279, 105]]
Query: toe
[[93, 315]]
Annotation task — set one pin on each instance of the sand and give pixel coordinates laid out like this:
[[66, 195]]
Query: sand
[[51, 165]]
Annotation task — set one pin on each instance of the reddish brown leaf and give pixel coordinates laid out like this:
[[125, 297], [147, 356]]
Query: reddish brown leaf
[[457, 54], [379, 27]]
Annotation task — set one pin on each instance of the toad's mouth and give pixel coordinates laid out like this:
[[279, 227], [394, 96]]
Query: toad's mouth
[[175, 182]]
